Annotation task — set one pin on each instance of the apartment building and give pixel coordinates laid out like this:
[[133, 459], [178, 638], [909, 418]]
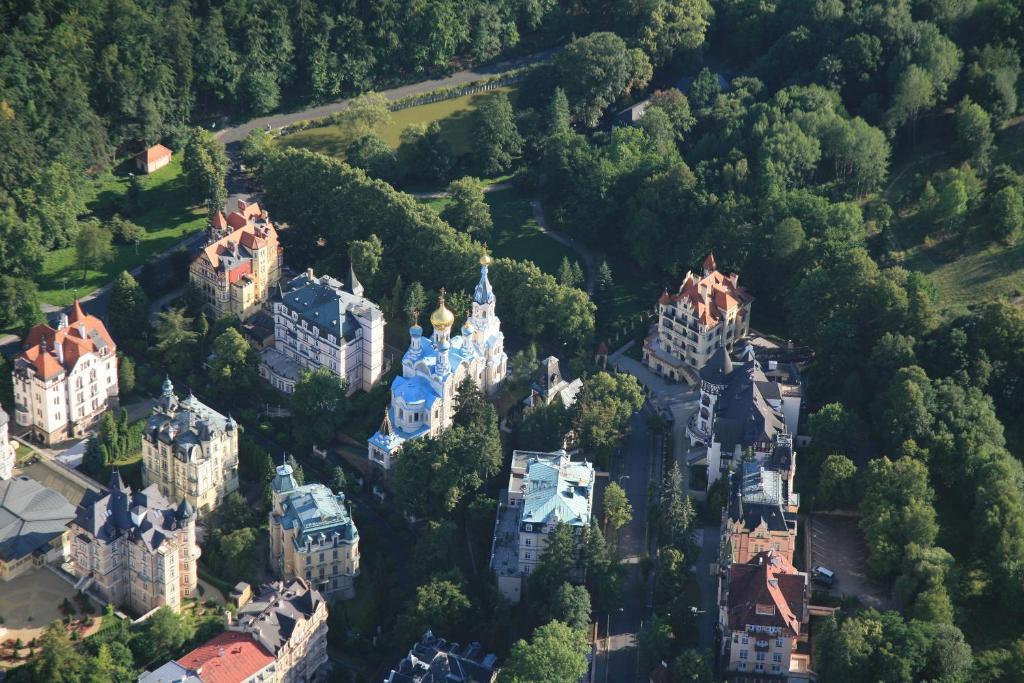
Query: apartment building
[[436, 660], [761, 514], [135, 548], [190, 451], [65, 378], [763, 616], [238, 268], [544, 490], [708, 312], [319, 322], [312, 536]]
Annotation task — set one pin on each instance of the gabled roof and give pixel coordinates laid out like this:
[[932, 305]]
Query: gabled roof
[[77, 335], [767, 591], [710, 296], [271, 617], [230, 657], [155, 153]]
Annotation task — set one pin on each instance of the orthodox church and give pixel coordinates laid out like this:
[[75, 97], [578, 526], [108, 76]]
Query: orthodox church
[[423, 396]]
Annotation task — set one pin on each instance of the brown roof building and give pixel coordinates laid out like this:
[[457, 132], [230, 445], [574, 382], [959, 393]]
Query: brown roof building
[[154, 158], [65, 378], [237, 270], [709, 311], [763, 614]]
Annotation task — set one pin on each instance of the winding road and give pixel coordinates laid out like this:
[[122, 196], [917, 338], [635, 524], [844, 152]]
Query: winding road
[[232, 135]]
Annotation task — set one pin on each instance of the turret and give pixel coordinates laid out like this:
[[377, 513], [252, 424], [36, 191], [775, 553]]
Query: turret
[[442, 320]]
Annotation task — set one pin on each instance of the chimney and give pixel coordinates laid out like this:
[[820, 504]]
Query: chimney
[[63, 321], [220, 652], [58, 346], [309, 273], [228, 619]]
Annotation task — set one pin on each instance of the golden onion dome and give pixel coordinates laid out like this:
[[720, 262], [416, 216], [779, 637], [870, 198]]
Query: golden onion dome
[[442, 318], [485, 260]]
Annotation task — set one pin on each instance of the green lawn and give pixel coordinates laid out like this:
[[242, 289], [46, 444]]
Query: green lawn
[[981, 270], [168, 215], [516, 233], [455, 117]]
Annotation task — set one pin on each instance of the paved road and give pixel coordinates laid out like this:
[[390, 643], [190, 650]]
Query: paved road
[[632, 469], [235, 134]]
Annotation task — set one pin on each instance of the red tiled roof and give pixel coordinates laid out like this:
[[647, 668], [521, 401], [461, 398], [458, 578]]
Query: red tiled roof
[[231, 657], [75, 340], [767, 582], [155, 153], [244, 234], [219, 222], [709, 296]]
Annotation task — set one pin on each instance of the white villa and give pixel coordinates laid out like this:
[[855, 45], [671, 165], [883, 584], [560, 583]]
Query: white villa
[[544, 489]]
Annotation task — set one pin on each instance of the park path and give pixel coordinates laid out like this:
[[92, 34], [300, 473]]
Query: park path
[[237, 133], [586, 255]]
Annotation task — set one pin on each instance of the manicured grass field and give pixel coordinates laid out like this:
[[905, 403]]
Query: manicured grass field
[[516, 233], [167, 216], [455, 117]]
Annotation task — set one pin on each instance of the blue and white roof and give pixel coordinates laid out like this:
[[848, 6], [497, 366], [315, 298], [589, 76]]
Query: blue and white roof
[[558, 490]]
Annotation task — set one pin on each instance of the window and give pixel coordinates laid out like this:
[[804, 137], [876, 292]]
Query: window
[[778, 642], [529, 527], [760, 656], [776, 668], [744, 654], [529, 556], [776, 657], [529, 542], [746, 640]]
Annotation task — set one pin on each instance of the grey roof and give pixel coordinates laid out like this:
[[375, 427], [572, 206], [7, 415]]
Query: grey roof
[[327, 305], [171, 672], [435, 660], [184, 425], [758, 495], [718, 368], [31, 516], [144, 515], [742, 414], [271, 617]]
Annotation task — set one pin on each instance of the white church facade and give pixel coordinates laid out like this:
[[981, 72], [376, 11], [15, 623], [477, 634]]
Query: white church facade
[[423, 396]]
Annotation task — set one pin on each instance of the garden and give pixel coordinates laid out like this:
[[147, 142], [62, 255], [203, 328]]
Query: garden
[[161, 204]]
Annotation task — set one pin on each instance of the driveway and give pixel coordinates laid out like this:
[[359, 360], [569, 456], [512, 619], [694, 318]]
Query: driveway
[[837, 542]]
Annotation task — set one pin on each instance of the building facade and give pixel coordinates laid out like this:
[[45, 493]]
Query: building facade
[[423, 398], [321, 323], [7, 457], [707, 312], [190, 451], [65, 378], [544, 490], [134, 548], [763, 616], [312, 536], [761, 514], [741, 410], [288, 619], [238, 269]]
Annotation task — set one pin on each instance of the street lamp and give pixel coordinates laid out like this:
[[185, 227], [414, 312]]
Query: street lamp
[[623, 476]]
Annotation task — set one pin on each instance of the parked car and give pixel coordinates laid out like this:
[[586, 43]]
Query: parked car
[[823, 576]]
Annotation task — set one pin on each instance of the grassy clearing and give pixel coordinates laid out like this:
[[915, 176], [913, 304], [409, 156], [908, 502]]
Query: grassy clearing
[[962, 274], [454, 116], [169, 215], [516, 233]]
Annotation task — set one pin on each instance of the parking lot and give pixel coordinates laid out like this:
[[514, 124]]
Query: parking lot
[[836, 542]]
